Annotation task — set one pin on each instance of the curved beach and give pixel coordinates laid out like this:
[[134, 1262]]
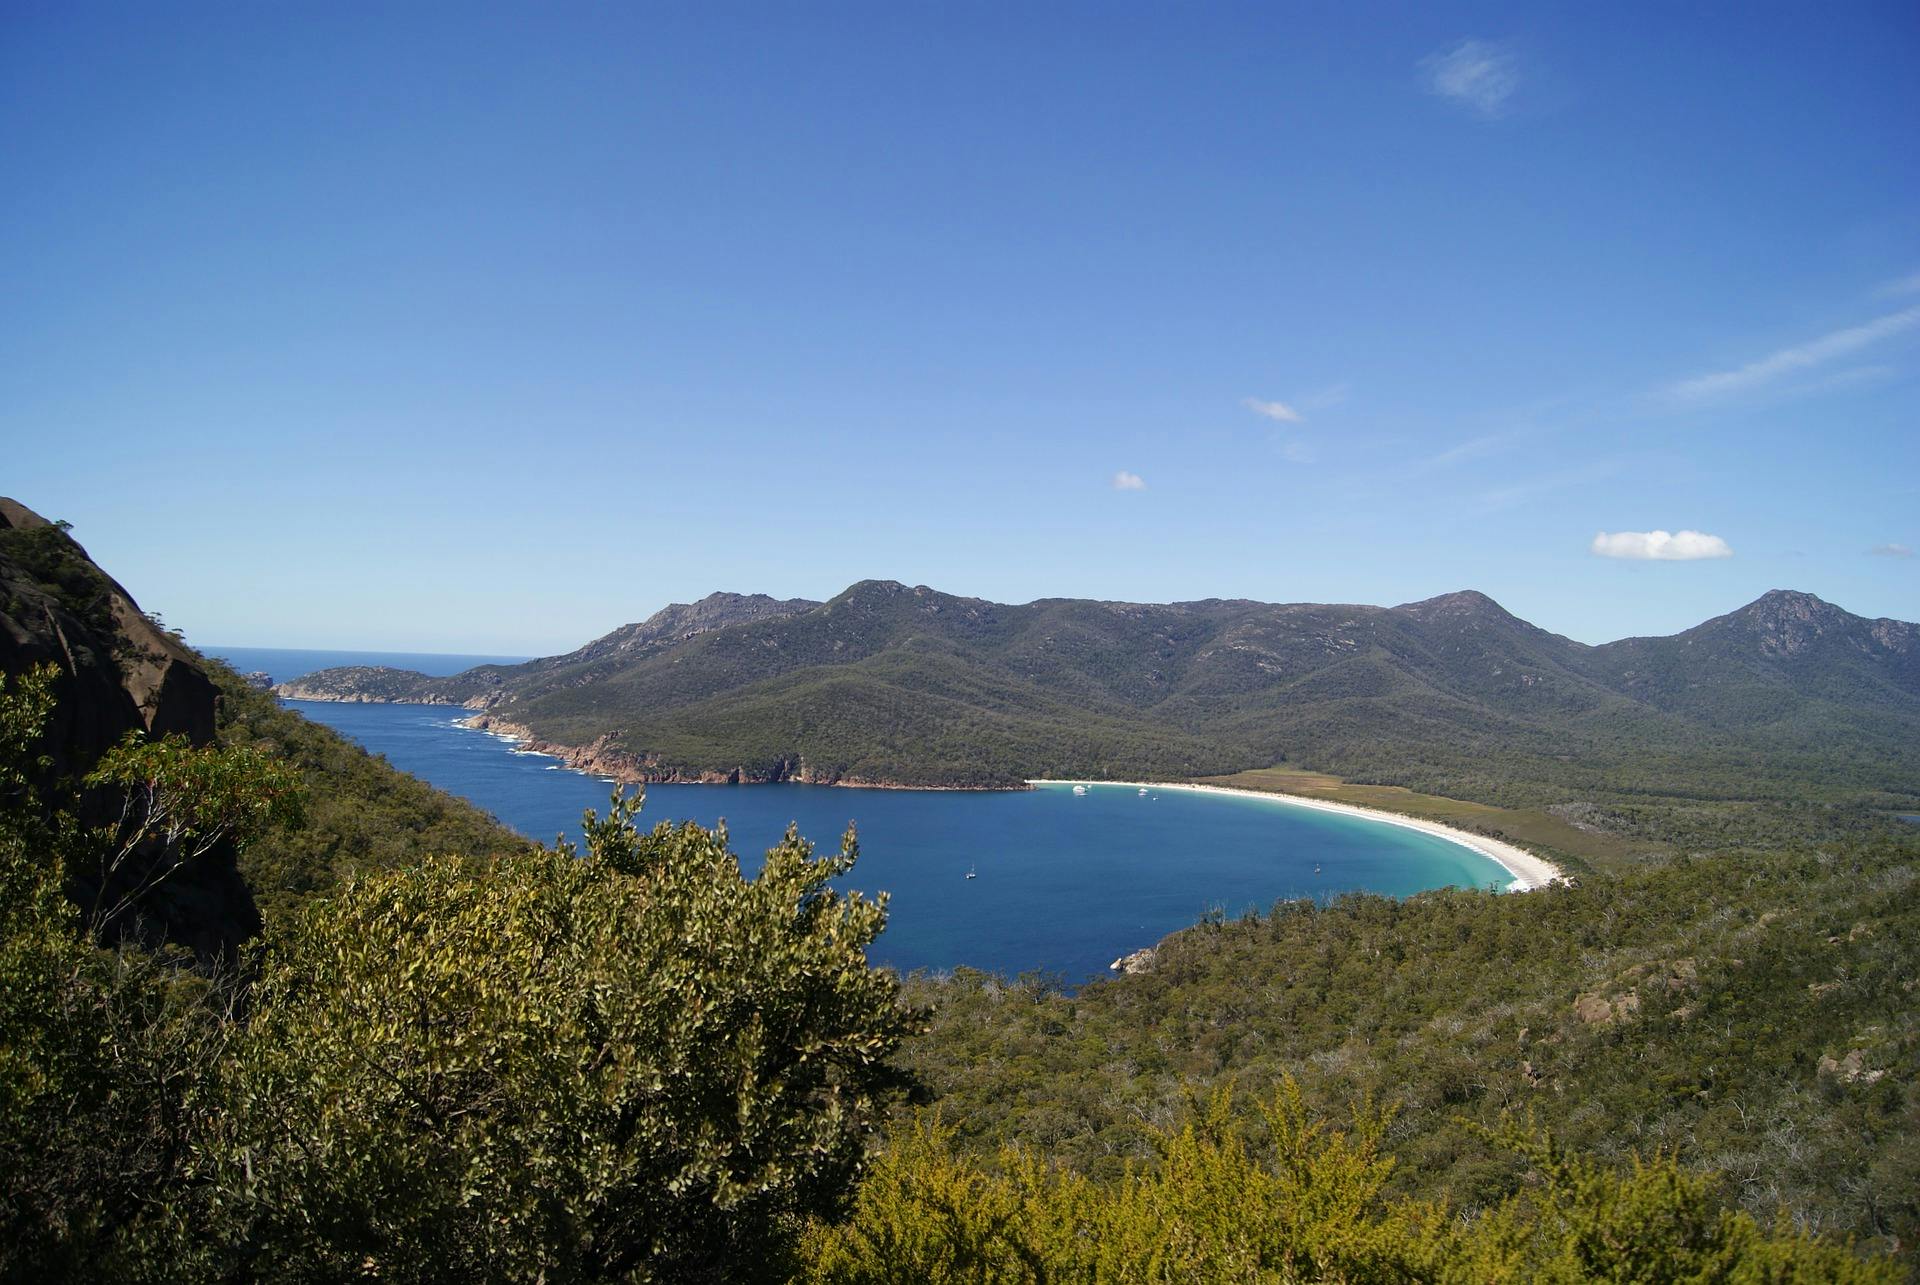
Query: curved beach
[[1528, 871]]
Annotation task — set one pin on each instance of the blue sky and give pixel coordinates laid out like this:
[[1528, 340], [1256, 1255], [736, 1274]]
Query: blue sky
[[488, 328]]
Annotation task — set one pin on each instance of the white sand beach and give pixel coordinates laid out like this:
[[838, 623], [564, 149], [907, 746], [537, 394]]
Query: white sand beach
[[1528, 871]]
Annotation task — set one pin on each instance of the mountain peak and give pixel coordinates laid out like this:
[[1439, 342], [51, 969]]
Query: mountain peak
[[1462, 603], [1780, 608], [678, 621], [879, 591], [1793, 600], [1784, 622]]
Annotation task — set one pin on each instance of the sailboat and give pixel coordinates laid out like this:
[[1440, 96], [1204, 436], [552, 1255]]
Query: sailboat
[[971, 873]]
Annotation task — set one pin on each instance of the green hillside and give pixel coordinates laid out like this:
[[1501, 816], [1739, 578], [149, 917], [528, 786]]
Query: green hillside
[[1789, 716], [1753, 1014]]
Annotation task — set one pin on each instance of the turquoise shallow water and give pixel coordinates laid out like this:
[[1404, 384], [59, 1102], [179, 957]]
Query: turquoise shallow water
[[1064, 884]]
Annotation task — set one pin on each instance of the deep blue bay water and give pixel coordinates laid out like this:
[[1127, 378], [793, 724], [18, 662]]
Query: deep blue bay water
[[1065, 884]]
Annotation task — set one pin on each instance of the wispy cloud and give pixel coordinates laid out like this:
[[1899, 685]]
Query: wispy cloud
[[1480, 75], [1297, 452], [1891, 551], [1852, 377], [1125, 481], [1901, 285], [1280, 411], [1660, 546], [1327, 398], [1475, 447], [1528, 489], [1758, 374]]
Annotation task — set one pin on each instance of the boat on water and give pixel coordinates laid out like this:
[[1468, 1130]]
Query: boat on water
[[972, 873], [1079, 789], [1143, 791]]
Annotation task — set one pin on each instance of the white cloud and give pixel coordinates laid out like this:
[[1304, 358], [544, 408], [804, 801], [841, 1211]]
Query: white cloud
[[1758, 374], [1905, 285], [1891, 551], [1480, 75], [1125, 481], [1660, 546], [1297, 453], [1272, 410]]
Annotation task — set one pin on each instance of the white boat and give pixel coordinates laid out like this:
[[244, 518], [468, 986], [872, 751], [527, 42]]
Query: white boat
[[1079, 789], [1143, 791]]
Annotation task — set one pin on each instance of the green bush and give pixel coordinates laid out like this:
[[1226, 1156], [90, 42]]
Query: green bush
[[632, 1064], [1280, 1197]]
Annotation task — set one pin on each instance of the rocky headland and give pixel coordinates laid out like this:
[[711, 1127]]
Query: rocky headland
[[604, 758]]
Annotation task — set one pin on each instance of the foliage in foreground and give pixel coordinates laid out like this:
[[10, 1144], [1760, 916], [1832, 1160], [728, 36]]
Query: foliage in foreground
[[1280, 1197], [627, 1063], [633, 1063], [97, 1047]]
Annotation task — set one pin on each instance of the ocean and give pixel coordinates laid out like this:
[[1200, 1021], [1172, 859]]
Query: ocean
[[1064, 884]]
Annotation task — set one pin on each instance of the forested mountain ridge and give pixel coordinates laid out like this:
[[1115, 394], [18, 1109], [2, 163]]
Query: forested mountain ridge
[[1782, 656], [1453, 695]]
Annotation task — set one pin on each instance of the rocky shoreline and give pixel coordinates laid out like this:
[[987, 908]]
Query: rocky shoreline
[[300, 691], [601, 758]]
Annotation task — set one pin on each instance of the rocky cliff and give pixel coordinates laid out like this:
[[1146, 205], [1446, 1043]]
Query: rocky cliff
[[117, 672]]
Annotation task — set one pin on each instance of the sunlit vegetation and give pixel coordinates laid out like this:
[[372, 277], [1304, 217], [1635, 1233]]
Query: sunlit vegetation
[[630, 1062], [626, 1062], [1275, 1194], [1751, 1015]]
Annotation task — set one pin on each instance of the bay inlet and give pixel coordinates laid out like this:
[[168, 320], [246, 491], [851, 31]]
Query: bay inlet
[[1065, 882]]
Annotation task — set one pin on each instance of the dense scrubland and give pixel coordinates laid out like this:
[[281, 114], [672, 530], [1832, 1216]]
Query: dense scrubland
[[632, 1063], [1752, 1014], [442, 1051]]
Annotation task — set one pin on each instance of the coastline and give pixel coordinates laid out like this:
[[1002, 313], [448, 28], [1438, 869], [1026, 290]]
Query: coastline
[[600, 760], [1528, 870]]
